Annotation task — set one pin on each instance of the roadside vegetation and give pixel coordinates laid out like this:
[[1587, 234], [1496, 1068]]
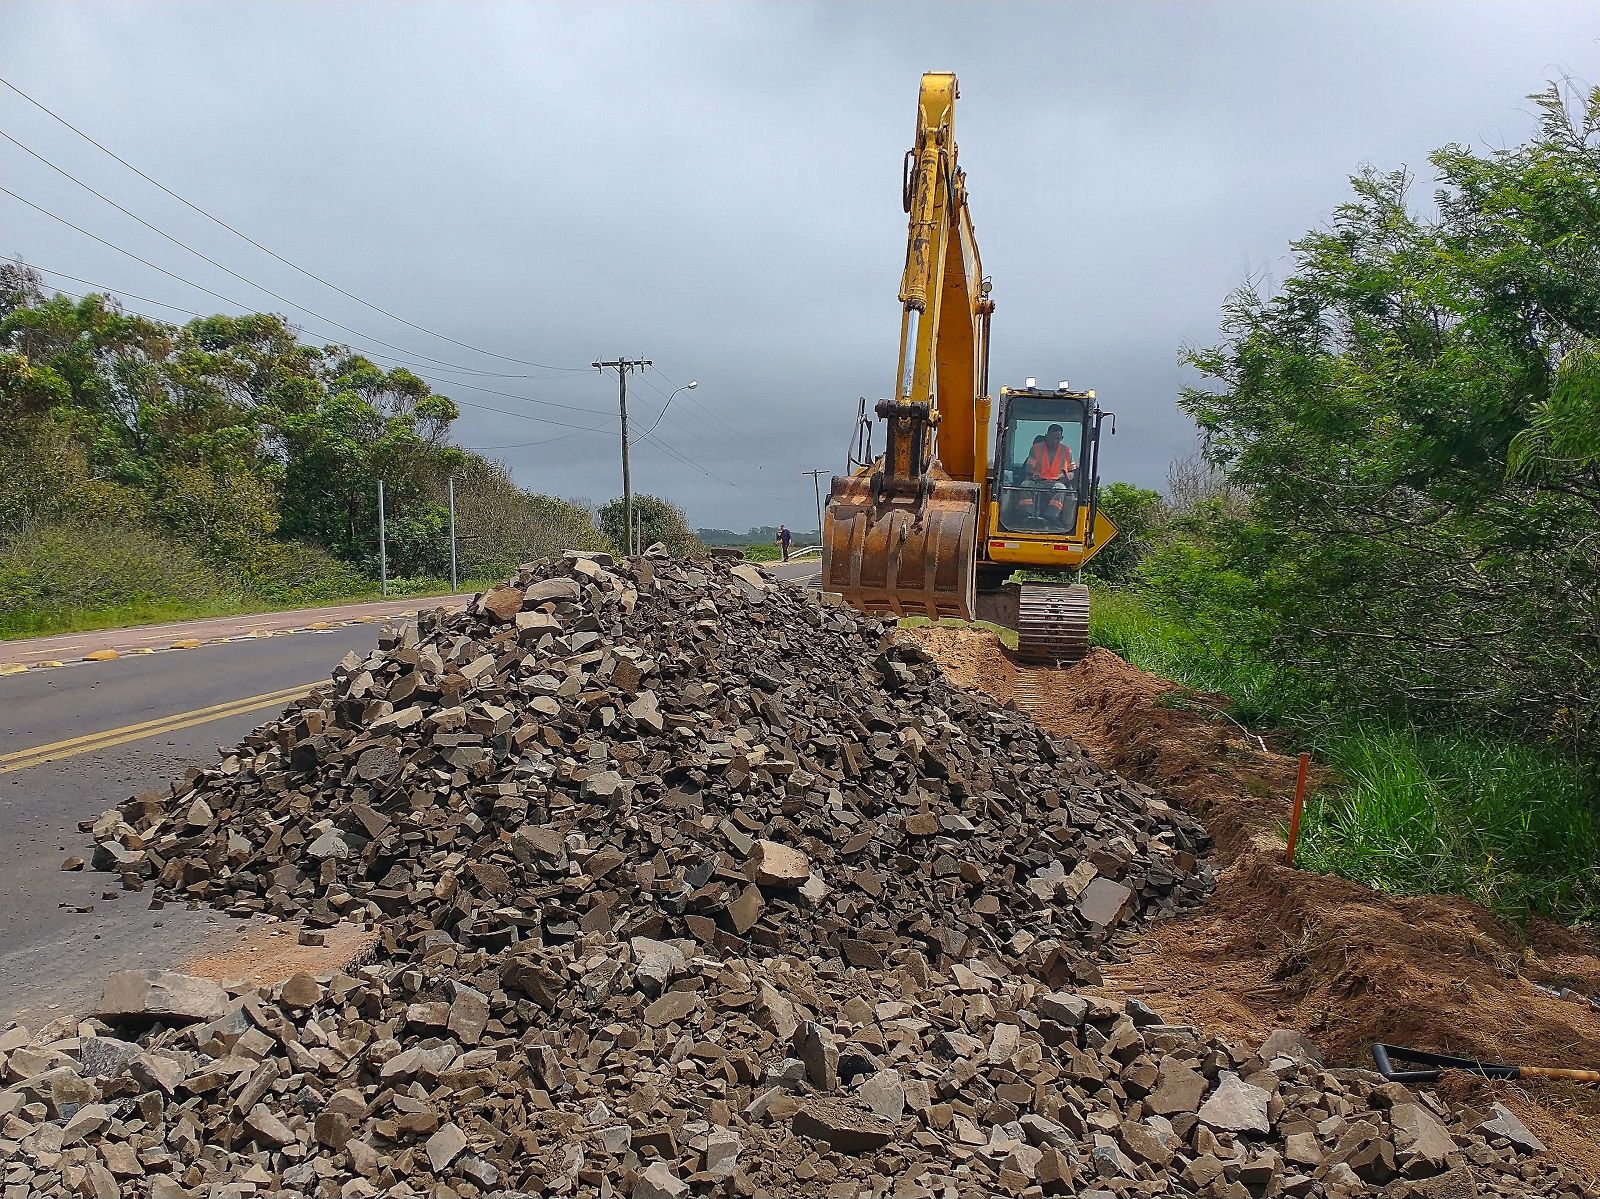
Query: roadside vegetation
[[759, 543], [151, 471], [1391, 544], [759, 553]]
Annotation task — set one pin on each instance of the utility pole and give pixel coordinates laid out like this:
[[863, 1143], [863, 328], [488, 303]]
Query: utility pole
[[453, 533], [383, 546], [622, 366], [816, 486]]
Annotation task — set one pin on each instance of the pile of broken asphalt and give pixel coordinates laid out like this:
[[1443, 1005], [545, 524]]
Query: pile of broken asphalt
[[685, 882]]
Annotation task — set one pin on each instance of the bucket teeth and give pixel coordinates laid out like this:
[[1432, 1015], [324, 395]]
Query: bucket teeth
[[909, 559]]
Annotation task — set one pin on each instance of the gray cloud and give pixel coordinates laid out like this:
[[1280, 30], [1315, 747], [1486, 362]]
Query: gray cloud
[[717, 187]]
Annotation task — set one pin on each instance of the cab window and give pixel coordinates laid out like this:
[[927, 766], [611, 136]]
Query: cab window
[[1029, 502]]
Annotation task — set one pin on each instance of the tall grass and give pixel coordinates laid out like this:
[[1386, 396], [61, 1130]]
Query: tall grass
[[1412, 810], [1512, 826], [1132, 627]]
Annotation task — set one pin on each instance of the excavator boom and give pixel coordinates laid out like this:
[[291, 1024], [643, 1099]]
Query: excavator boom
[[901, 536]]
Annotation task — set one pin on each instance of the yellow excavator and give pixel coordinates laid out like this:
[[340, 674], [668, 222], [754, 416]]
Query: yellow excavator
[[937, 524]]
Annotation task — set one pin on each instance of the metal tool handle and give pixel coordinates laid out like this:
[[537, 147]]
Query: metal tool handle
[[1435, 1065]]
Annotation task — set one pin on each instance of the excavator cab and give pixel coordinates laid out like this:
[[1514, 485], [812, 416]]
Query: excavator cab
[[1032, 521], [1040, 481]]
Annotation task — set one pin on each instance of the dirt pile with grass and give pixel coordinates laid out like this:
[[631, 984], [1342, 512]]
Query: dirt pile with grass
[[1277, 947]]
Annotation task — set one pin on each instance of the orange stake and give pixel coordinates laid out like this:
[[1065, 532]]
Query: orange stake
[[1299, 803]]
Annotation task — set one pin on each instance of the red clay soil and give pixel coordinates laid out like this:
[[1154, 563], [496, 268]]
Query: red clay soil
[[271, 953], [1282, 948]]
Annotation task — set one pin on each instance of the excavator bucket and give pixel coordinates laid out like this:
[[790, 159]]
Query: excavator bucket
[[908, 558]]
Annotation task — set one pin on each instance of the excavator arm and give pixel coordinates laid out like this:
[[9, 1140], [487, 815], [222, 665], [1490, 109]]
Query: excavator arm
[[944, 317], [901, 536]]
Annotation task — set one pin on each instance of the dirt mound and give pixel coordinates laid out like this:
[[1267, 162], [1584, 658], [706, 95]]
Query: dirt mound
[[1276, 947]]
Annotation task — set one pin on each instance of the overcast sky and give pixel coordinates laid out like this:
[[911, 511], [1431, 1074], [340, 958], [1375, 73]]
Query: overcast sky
[[717, 187]]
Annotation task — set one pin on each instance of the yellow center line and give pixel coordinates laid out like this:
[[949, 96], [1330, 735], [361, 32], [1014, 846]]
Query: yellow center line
[[56, 751]]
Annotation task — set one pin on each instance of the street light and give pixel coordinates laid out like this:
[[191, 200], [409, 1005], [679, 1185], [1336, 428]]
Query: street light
[[689, 386]]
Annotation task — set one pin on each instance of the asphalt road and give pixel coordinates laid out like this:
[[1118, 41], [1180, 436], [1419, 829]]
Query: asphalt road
[[151, 638], [81, 738], [52, 955], [803, 571]]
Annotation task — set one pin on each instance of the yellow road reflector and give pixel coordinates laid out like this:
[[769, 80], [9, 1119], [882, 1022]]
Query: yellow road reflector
[[101, 655], [319, 625], [13, 667], [51, 662], [143, 649], [186, 643], [56, 751]]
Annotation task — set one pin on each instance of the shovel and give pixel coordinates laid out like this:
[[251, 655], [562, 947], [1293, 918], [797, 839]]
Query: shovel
[[1435, 1064]]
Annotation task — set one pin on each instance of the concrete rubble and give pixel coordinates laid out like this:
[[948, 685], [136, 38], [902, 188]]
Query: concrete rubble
[[686, 883]]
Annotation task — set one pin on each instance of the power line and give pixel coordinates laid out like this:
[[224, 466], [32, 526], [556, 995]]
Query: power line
[[265, 250], [660, 416], [725, 446], [248, 282], [416, 368], [543, 420], [348, 295], [684, 458], [712, 425], [522, 445], [712, 417], [660, 443]]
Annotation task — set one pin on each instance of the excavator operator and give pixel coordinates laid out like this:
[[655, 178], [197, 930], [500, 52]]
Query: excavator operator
[[1049, 470]]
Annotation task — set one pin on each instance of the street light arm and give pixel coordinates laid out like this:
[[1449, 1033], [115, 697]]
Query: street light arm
[[689, 386]]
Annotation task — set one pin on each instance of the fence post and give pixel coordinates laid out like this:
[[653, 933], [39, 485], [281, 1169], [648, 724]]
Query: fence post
[[1299, 804], [383, 546], [453, 584]]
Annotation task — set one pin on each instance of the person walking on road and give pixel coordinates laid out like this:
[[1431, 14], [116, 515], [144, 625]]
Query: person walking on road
[[783, 538]]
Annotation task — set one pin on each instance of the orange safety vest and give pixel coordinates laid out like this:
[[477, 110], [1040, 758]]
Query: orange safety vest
[[1050, 467]]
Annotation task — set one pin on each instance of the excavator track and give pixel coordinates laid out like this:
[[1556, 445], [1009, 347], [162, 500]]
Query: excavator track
[[1053, 623]]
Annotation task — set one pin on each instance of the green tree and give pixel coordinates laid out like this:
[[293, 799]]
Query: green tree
[[1138, 513], [658, 520], [369, 424], [1412, 421]]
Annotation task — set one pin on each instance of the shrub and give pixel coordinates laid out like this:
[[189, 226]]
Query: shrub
[[299, 572], [50, 570], [658, 520], [1138, 514]]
